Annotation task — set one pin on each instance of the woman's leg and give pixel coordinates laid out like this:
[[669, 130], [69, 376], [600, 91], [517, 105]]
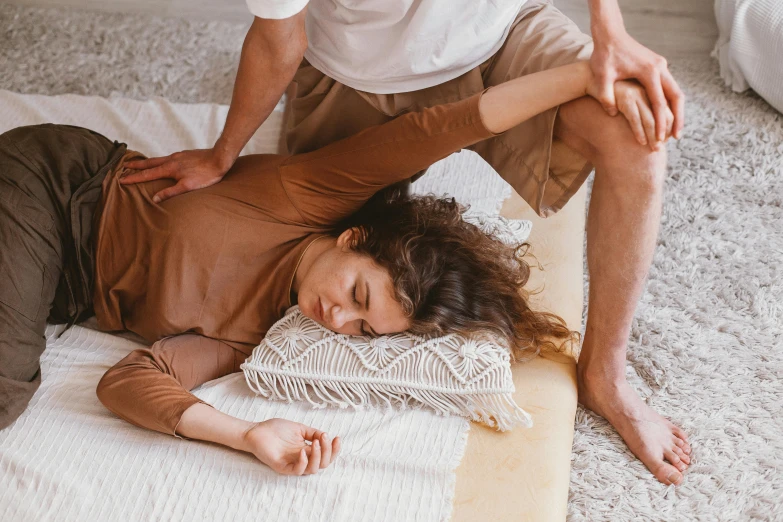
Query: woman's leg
[[30, 268], [49, 183]]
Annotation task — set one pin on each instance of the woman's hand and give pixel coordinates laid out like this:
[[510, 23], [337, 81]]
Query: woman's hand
[[617, 56], [191, 169], [632, 101], [624, 58], [282, 445]]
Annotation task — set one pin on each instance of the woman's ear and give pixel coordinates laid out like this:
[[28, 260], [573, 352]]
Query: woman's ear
[[348, 237]]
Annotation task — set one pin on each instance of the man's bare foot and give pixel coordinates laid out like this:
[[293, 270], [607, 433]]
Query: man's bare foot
[[659, 444]]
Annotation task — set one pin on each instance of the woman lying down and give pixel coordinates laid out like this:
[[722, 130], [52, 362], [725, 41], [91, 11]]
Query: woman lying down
[[204, 275]]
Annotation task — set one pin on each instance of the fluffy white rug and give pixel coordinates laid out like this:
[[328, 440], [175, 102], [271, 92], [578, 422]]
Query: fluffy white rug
[[707, 345]]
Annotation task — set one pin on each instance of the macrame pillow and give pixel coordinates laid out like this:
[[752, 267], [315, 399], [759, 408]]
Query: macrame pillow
[[299, 360]]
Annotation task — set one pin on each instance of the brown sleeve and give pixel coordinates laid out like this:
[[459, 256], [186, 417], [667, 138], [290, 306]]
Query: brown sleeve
[[330, 184], [148, 388]]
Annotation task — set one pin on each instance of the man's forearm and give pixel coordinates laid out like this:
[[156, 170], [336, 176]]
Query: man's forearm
[[605, 18], [270, 57]]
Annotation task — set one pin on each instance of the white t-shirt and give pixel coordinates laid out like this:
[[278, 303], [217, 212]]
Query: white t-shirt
[[390, 46]]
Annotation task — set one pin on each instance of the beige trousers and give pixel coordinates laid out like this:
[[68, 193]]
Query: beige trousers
[[542, 169]]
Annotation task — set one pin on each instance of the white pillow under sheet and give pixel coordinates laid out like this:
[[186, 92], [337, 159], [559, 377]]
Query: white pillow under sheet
[[299, 360], [750, 45]]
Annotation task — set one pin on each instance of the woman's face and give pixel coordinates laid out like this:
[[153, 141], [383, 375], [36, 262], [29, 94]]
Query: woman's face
[[349, 294]]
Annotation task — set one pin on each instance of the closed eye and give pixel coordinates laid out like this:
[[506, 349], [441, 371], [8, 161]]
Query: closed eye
[[356, 300]]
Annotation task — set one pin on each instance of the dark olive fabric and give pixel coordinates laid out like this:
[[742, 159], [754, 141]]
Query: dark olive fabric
[[50, 185]]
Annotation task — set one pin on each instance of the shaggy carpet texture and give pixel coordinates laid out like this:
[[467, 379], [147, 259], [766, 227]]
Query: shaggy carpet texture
[[707, 343], [706, 347]]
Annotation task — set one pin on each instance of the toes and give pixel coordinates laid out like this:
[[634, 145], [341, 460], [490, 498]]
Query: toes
[[681, 439], [684, 446], [672, 457], [668, 474], [678, 432], [683, 456]]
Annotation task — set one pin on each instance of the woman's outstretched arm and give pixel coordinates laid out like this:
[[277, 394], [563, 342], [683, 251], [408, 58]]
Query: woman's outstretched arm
[[288, 447], [149, 388], [509, 104], [333, 182]]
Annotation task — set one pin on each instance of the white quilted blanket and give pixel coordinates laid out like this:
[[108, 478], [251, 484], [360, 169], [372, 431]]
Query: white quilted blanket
[[750, 46], [67, 458]]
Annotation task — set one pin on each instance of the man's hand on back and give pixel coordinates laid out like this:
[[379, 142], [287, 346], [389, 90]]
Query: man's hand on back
[[191, 169], [617, 56], [270, 57]]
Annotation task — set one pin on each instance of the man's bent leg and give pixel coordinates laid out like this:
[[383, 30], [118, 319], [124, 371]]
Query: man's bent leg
[[622, 227]]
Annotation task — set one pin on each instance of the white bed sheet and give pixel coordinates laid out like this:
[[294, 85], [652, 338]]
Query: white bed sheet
[[68, 458]]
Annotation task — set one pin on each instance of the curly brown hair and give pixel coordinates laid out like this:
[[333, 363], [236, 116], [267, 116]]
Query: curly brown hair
[[450, 276]]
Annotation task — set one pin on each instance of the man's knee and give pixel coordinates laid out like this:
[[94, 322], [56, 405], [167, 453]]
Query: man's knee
[[609, 144]]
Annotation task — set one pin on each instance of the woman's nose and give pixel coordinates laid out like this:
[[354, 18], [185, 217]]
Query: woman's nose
[[339, 317]]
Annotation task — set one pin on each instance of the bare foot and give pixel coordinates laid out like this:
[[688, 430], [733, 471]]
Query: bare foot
[[659, 444]]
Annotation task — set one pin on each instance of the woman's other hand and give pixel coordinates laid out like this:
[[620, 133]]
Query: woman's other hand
[[290, 448], [191, 169], [617, 56], [632, 101]]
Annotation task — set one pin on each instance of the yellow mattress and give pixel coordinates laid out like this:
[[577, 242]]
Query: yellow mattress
[[524, 474]]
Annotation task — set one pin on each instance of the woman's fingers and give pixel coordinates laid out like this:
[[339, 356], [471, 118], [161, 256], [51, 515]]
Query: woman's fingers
[[648, 124], [301, 464], [337, 445], [309, 433], [314, 462], [652, 85], [319, 454], [669, 123], [631, 112], [326, 450]]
